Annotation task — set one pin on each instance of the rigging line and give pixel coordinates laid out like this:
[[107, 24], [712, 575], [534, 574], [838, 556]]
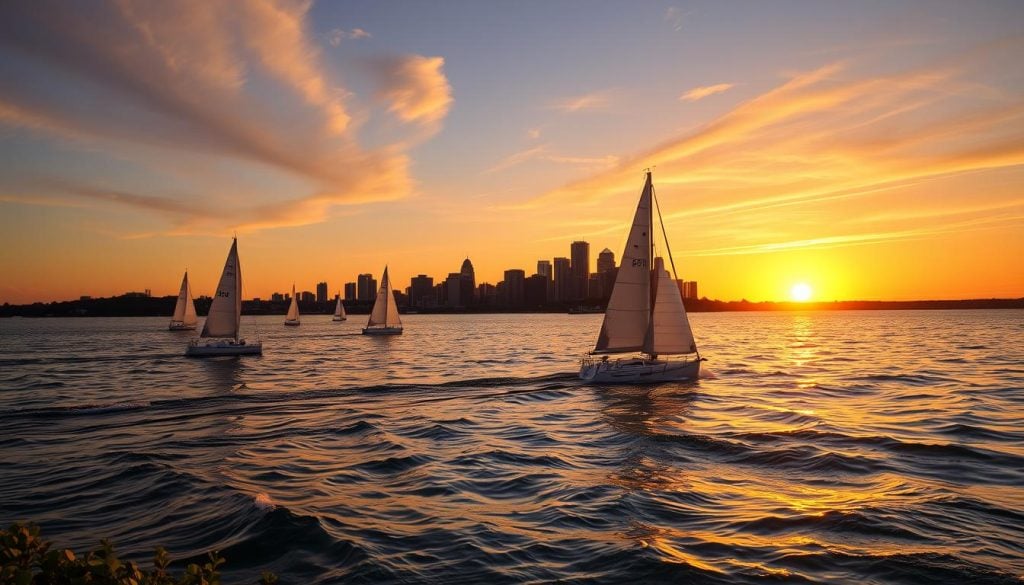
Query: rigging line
[[664, 234]]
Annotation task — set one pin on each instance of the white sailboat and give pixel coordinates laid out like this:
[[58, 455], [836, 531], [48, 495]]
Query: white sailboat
[[645, 318], [222, 322], [292, 318], [339, 310], [184, 318], [384, 318]]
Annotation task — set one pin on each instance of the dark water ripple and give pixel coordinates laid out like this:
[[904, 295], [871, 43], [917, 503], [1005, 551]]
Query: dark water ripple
[[862, 447]]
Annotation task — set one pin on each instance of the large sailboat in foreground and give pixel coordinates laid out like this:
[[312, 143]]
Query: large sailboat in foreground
[[645, 321], [221, 327], [339, 310], [384, 318], [184, 318], [292, 318]]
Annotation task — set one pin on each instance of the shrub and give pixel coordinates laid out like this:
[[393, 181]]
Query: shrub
[[28, 559]]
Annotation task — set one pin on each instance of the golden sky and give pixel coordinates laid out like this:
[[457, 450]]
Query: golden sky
[[869, 151]]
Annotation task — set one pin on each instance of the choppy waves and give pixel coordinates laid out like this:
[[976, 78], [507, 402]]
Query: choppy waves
[[853, 447]]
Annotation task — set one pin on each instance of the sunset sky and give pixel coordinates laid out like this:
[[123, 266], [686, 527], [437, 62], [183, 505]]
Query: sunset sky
[[872, 150]]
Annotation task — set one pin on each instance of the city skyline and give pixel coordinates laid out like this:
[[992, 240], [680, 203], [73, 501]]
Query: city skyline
[[863, 151]]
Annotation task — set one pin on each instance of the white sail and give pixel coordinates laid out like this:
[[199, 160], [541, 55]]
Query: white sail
[[293, 309], [629, 308], [385, 311], [339, 309], [226, 309], [185, 308], [670, 329]]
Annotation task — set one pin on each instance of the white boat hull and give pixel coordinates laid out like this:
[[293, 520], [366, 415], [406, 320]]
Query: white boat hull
[[222, 347], [382, 331], [639, 371], [179, 326], [292, 322]]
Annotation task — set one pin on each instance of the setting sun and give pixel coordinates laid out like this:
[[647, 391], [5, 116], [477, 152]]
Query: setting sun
[[800, 292]]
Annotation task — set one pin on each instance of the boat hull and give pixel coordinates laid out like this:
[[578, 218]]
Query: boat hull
[[338, 319], [639, 371], [292, 322], [179, 326], [382, 331], [223, 347]]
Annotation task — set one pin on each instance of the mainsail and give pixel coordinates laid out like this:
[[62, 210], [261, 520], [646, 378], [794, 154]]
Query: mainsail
[[185, 309], [293, 309], [628, 315], [226, 309], [385, 311]]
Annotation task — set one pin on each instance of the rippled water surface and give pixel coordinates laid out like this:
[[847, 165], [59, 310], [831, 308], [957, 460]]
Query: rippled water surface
[[861, 447]]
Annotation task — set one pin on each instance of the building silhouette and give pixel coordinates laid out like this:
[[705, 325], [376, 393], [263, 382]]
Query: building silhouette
[[366, 287], [306, 296], [605, 261], [350, 291], [453, 290], [421, 292], [563, 280], [467, 284], [535, 292], [321, 292], [487, 294], [579, 251], [514, 288]]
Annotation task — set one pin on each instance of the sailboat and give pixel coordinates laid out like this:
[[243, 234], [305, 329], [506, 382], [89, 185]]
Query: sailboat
[[339, 310], [184, 318], [645, 315], [384, 318], [221, 326], [292, 318]]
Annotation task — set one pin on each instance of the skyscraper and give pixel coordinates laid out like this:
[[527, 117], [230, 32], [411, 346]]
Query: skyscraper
[[607, 271], [535, 292], [467, 284], [421, 291], [367, 288], [580, 253], [350, 291], [515, 287], [453, 290], [544, 269], [321, 292], [605, 261], [563, 280]]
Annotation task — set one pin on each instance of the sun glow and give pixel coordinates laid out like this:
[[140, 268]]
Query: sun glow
[[800, 292]]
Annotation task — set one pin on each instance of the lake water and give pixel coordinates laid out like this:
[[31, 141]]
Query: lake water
[[860, 447]]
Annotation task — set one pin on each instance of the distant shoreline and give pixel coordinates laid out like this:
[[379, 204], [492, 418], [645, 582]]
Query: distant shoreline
[[136, 306]]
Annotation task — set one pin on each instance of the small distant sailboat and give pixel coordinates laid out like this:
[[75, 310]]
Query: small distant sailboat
[[292, 318], [384, 318], [225, 316], [184, 318], [645, 314], [339, 310]]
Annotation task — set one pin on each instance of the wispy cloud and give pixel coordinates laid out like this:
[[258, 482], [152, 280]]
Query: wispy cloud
[[241, 83], [591, 101], [337, 35], [699, 93], [675, 17], [543, 153]]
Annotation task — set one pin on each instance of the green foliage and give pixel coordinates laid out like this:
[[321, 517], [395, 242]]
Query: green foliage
[[27, 559]]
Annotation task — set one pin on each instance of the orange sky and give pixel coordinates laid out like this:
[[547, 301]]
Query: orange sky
[[870, 153]]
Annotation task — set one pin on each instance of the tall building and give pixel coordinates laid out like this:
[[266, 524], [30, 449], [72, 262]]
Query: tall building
[[486, 293], [544, 269], [515, 287], [306, 296], [535, 291], [421, 291], [453, 290], [367, 287], [595, 286], [580, 253], [563, 280], [321, 292], [350, 291], [605, 261], [467, 284]]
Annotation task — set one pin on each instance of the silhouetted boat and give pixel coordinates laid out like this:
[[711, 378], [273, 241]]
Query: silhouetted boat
[[222, 322], [645, 315], [292, 318], [384, 319], [184, 318], [339, 310]]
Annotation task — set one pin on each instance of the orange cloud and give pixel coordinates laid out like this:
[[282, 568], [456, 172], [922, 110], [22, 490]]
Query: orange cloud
[[699, 93], [415, 87]]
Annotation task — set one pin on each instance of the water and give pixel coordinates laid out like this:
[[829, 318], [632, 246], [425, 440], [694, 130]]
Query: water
[[861, 447]]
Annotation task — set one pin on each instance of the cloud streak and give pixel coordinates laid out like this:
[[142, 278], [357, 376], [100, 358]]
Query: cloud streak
[[699, 93]]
